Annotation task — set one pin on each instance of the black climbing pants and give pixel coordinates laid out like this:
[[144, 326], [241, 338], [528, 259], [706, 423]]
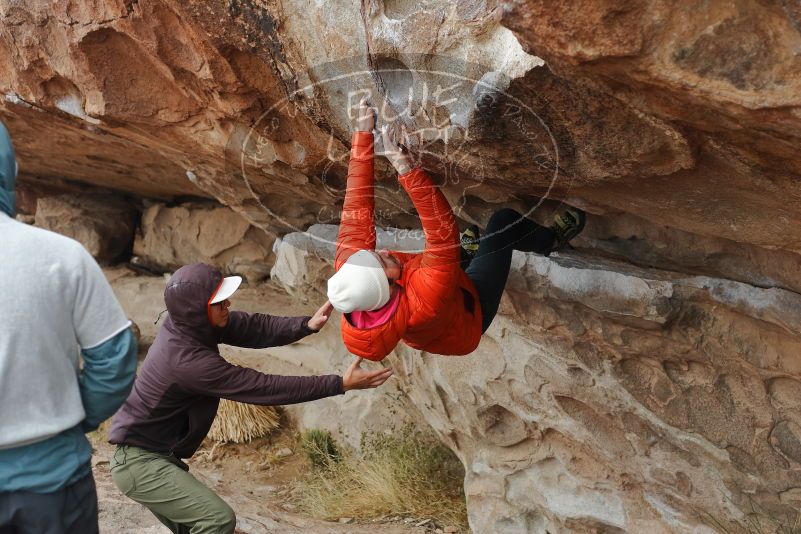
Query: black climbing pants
[[70, 510], [506, 231]]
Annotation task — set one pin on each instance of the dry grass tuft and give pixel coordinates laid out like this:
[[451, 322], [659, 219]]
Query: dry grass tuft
[[405, 473], [240, 423]]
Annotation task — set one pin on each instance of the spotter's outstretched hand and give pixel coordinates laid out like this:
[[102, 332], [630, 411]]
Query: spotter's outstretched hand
[[321, 316], [357, 378]]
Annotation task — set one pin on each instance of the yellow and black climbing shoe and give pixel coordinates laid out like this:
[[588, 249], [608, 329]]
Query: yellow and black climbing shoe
[[469, 240], [567, 225]]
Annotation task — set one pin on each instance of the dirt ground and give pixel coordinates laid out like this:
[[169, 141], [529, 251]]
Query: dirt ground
[[253, 478]]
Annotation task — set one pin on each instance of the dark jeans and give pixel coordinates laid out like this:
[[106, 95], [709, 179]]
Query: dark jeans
[[506, 231], [71, 510]]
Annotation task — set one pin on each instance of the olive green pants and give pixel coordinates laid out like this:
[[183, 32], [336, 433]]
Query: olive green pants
[[175, 497]]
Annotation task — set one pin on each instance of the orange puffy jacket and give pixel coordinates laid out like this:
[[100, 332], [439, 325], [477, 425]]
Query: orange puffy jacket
[[439, 311]]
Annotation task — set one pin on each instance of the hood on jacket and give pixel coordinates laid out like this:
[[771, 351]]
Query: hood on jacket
[[187, 297], [8, 173]]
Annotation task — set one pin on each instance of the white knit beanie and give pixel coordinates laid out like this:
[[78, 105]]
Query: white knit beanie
[[360, 284]]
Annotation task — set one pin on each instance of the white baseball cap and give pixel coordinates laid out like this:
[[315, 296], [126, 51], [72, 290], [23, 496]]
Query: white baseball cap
[[228, 287], [360, 284]]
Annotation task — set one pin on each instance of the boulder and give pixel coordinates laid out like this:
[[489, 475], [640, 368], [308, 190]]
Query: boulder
[[608, 397], [684, 117], [104, 224], [640, 382], [170, 237]]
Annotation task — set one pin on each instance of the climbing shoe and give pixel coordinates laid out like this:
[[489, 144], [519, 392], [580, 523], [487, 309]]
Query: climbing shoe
[[567, 225], [469, 240], [469, 246]]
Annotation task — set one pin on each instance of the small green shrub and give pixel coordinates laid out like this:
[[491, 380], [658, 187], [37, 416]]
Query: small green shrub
[[320, 448]]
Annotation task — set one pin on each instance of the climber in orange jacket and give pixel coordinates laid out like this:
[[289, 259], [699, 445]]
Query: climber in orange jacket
[[427, 300]]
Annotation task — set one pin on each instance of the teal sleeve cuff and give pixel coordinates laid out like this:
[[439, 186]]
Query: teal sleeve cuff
[[106, 378]]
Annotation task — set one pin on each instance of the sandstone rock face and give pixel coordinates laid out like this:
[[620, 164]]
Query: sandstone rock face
[[725, 79], [170, 237], [650, 380], [103, 224], [656, 113], [662, 113], [611, 398]]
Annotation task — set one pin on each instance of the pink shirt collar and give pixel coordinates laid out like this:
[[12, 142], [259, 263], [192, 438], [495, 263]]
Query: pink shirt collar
[[371, 319]]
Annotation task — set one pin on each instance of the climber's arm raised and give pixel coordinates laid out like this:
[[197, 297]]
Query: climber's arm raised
[[439, 268], [357, 227]]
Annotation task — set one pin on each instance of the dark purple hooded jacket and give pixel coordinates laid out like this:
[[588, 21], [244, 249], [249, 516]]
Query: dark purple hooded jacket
[[175, 396]]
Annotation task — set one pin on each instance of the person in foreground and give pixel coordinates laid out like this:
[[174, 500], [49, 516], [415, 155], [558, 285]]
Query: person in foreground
[[427, 300], [57, 304], [175, 397]]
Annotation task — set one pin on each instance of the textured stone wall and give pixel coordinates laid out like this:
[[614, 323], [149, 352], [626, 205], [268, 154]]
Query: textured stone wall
[[683, 115], [171, 236], [103, 224], [610, 398]]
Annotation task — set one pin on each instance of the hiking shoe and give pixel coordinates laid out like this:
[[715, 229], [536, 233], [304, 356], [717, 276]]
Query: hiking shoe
[[567, 225], [469, 240]]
